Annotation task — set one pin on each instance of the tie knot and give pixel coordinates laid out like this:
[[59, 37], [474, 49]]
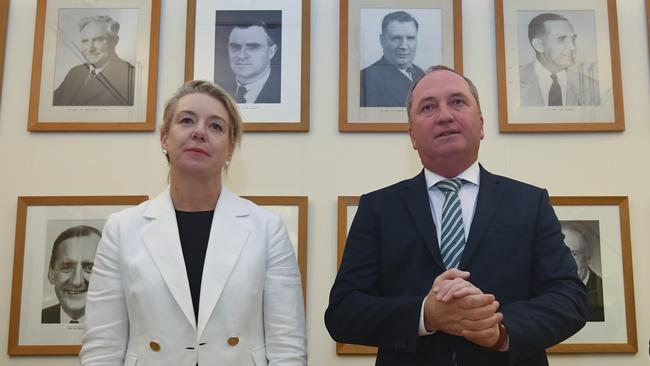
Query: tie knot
[[554, 77], [449, 185]]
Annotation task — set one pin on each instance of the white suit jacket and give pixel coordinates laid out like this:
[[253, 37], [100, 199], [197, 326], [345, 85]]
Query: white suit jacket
[[139, 308], [582, 90]]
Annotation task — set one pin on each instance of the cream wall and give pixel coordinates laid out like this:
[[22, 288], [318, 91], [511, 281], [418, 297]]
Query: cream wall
[[324, 163]]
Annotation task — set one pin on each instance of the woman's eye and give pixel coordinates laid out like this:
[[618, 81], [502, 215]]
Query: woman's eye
[[185, 120], [216, 126]]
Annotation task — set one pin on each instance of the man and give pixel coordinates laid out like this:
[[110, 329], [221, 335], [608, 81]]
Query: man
[[103, 79], [387, 82], [250, 52], [71, 262], [551, 79], [499, 288], [577, 242]]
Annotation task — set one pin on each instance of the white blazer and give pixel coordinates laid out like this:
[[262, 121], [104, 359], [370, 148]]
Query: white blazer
[[139, 308]]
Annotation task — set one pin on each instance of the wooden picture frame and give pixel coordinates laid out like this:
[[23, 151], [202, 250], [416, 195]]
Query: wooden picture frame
[[117, 93], [366, 75], [36, 324], [282, 101], [346, 208], [587, 94], [602, 225], [293, 210], [4, 17]]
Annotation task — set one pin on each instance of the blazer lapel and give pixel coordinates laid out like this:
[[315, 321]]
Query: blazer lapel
[[417, 201], [489, 195], [162, 240], [227, 238]]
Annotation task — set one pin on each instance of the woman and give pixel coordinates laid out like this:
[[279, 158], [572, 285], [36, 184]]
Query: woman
[[197, 275]]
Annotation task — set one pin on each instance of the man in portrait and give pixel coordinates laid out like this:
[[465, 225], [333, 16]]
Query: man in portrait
[[251, 50], [386, 82], [71, 263], [581, 249], [104, 79], [553, 79]]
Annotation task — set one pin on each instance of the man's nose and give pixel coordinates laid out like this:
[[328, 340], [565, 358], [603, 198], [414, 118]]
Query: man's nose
[[77, 276], [402, 43], [444, 114]]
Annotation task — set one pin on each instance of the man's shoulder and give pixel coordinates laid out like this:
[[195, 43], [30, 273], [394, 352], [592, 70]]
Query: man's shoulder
[[396, 189], [507, 182]]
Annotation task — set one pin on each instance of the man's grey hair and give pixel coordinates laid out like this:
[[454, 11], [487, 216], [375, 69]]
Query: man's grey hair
[[472, 87], [113, 25], [537, 27], [398, 16]]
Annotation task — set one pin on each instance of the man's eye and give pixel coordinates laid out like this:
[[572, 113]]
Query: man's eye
[[88, 267], [457, 102], [427, 108], [234, 47], [253, 47]]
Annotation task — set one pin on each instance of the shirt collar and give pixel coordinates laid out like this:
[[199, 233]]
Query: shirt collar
[[65, 318], [470, 175]]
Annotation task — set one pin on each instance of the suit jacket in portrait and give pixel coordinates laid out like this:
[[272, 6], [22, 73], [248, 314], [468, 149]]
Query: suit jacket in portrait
[[595, 311], [251, 308], [514, 250], [270, 93], [581, 90], [383, 85], [114, 86], [51, 314]]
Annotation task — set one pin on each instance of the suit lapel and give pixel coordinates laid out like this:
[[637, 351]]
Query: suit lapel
[[417, 201], [162, 240], [489, 195], [227, 238]]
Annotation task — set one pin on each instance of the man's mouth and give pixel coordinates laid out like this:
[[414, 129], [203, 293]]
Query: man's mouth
[[75, 292]]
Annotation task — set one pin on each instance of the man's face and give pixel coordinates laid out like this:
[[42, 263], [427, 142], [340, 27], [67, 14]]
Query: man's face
[[446, 124], [71, 272], [576, 243], [557, 46], [96, 43], [399, 42], [250, 53]]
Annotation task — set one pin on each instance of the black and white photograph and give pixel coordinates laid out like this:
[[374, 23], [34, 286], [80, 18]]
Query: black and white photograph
[[259, 53], [558, 59], [95, 66], [596, 231], [583, 239], [248, 54], [389, 49], [72, 245], [95, 57], [558, 66], [56, 241], [384, 49]]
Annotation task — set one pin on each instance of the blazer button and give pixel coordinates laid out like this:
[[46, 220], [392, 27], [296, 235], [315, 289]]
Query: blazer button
[[155, 346], [233, 341]]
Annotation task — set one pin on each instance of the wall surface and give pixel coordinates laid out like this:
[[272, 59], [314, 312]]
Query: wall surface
[[324, 163]]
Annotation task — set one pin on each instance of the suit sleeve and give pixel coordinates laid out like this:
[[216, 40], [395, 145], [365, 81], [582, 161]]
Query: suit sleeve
[[557, 306], [357, 312], [107, 325], [284, 310]]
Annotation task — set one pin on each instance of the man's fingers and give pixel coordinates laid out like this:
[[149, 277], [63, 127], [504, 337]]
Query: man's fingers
[[450, 274], [482, 323], [475, 301]]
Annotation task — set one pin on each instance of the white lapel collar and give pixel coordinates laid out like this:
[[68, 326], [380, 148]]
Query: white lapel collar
[[162, 240], [227, 238]]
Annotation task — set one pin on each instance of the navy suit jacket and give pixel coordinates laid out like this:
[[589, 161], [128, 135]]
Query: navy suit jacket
[[383, 85], [514, 250], [114, 86]]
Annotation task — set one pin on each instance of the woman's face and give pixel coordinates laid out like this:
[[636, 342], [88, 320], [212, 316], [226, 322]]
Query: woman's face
[[198, 139]]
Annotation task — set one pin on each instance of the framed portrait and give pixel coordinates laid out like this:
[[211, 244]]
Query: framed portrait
[[258, 51], [384, 49], [558, 66], [56, 240], [597, 231], [293, 210], [347, 208], [4, 16], [95, 66]]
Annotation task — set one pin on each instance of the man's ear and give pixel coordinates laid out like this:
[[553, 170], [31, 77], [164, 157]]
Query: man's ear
[[537, 44], [50, 275], [272, 50], [415, 146]]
